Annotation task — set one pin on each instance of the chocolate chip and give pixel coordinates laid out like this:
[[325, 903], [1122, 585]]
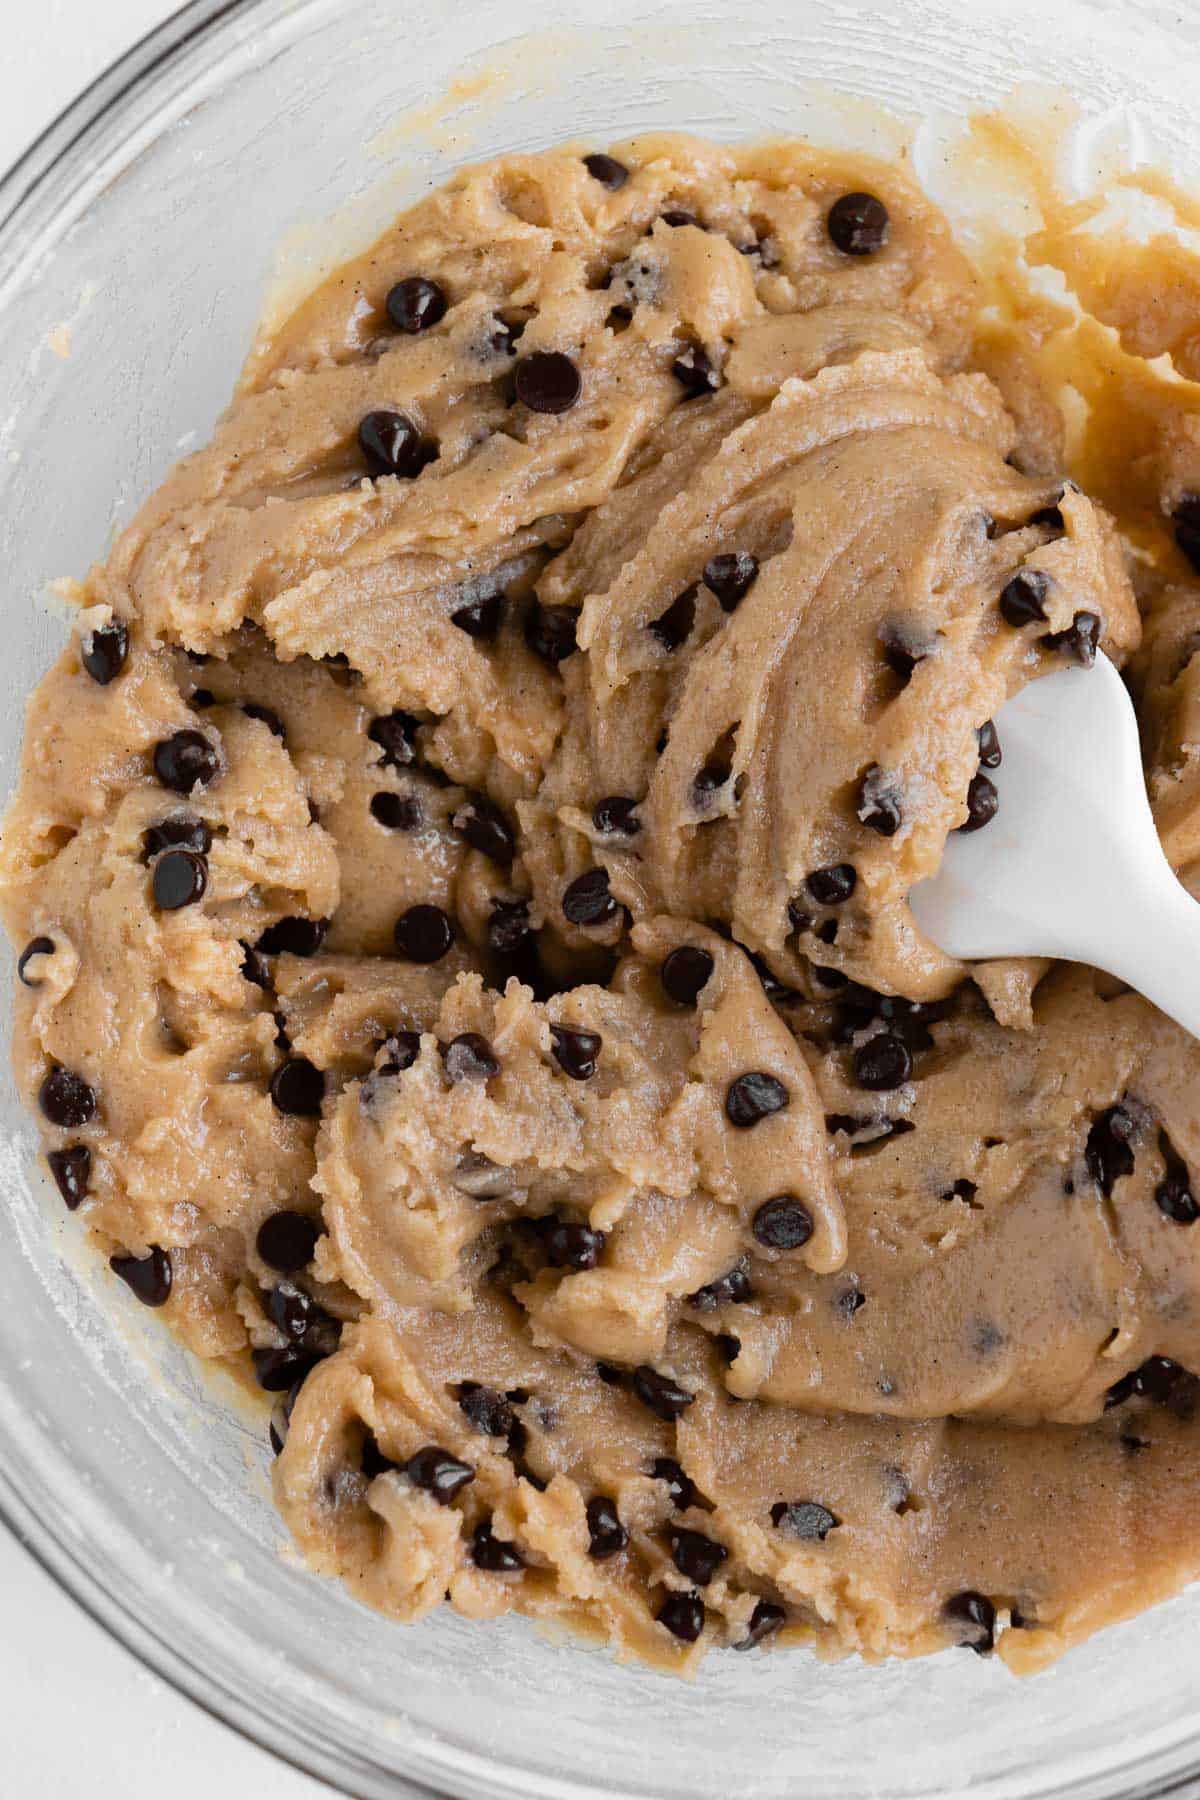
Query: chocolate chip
[[730, 577], [695, 373], [1081, 639], [696, 1556], [185, 761], [256, 968], [38, 946], [149, 1277], [400, 1051], [183, 833], [708, 781], [480, 619], [832, 885], [977, 1612], [662, 1395], [104, 652], [485, 828], [1108, 1153], [397, 812], [301, 1320], [548, 382], [1023, 598], [509, 927], [66, 1099], [469, 1057], [281, 1417], [575, 1051], [493, 1554], [685, 972], [677, 217], [765, 1621], [616, 815], [782, 1223], [606, 170], [297, 1088], [487, 1410], [1186, 518], [573, 1246], [983, 803], [879, 802], [804, 1519], [858, 224], [415, 304], [396, 735], [286, 1240], [730, 1289], [180, 878], [267, 717], [391, 444], [680, 1486], [1173, 1194], [550, 632], [884, 1062], [439, 1473], [606, 1534], [674, 627], [754, 1096], [900, 652], [295, 937], [423, 934], [962, 1190], [278, 1370], [1160, 1380], [587, 900], [683, 1616], [990, 756], [71, 1169]]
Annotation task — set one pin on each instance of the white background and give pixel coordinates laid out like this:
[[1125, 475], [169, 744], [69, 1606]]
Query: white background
[[79, 1718]]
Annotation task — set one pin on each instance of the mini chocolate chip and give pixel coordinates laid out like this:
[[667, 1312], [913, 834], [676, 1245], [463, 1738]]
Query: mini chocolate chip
[[754, 1096], [833, 884], [974, 1610], [548, 382], [827, 932], [674, 627], [1173, 1194], [685, 972], [183, 833], [683, 1616], [696, 1556], [804, 1519], [480, 619], [983, 803], [38, 946], [256, 968], [606, 1534], [438, 1473], [550, 632], [423, 934], [278, 1370], [295, 937], [493, 1553], [658, 1392], [149, 1277], [1023, 598], [485, 828], [397, 812], [573, 1246], [879, 803], [990, 755], [765, 1621], [391, 444], [400, 1051], [487, 1410], [104, 652], [606, 170], [858, 224], [783, 1223], [1081, 639], [680, 1486], [730, 577], [415, 304], [71, 1169], [694, 372], [508, 927], [884, 1062], [180, 878], [1108, 1153], [730, 1289], [1186, 519], [469, 1057], [286, 1240], [587, 900], [66, 1099], [900, 652], [298, 1316], [186, 760], [1160, 1380], [396, 735], [267, 717], [575, 1051], [616, 815], [297, 1088], [708, 780], [677, 216]]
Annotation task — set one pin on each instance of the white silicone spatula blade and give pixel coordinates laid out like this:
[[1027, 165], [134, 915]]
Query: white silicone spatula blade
[[1071, 865]]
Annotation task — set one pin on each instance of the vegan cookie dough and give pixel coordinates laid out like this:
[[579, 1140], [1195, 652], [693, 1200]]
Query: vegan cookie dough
[[459, 874]]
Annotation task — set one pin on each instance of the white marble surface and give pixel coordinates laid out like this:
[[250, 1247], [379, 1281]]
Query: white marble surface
[[81, 1720]]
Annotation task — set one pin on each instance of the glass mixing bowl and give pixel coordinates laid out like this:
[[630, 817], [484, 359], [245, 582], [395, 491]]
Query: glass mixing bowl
[[137, 242]]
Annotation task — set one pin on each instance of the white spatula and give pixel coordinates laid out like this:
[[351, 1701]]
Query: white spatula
[[1071, 865]]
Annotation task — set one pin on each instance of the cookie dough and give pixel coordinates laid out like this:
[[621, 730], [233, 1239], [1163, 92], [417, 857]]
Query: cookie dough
[[460, 876]]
